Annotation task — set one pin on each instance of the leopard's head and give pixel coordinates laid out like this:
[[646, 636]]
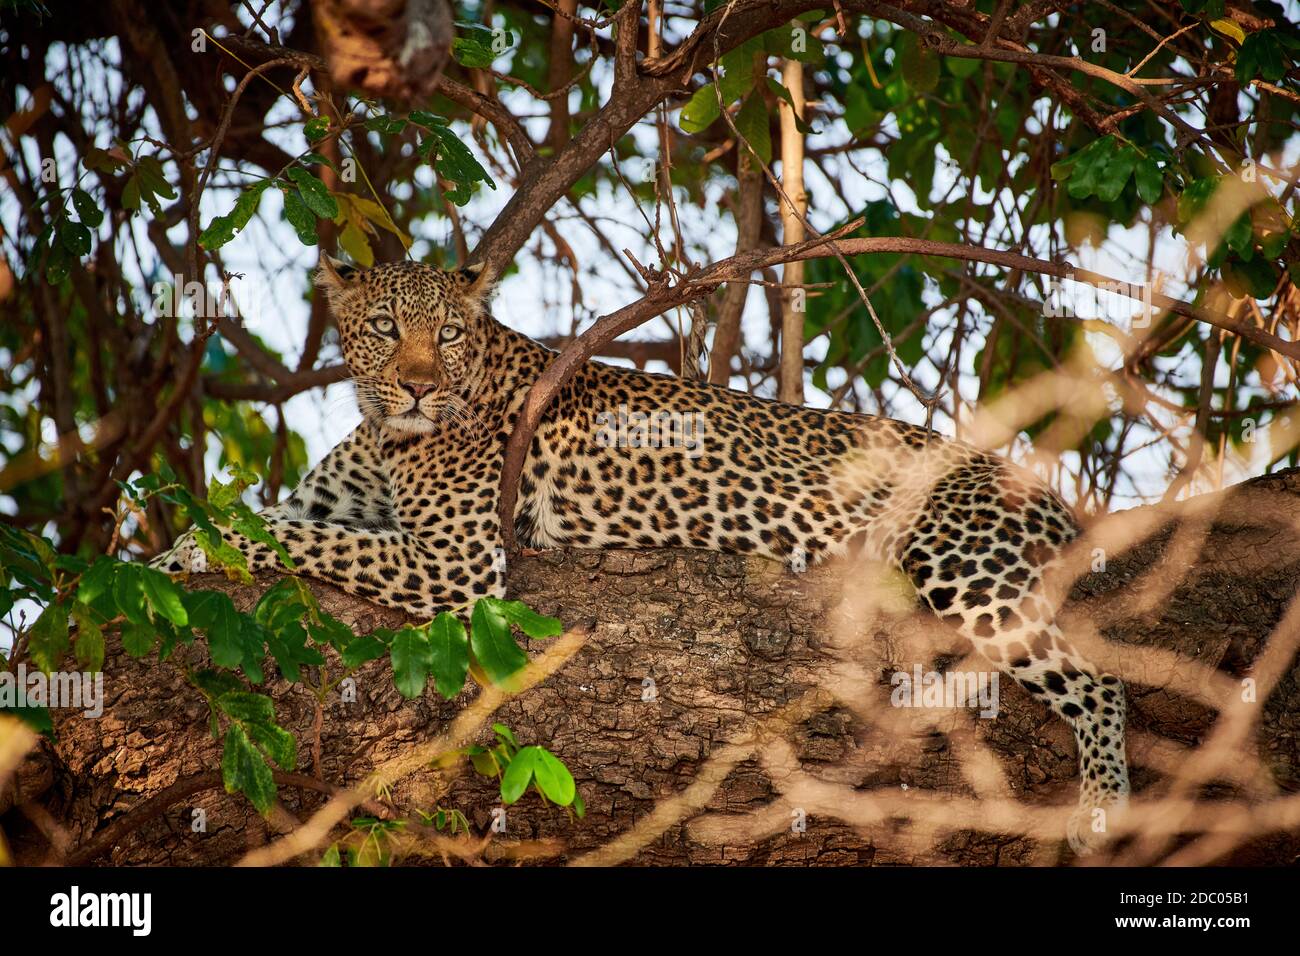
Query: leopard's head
[[414, 338]]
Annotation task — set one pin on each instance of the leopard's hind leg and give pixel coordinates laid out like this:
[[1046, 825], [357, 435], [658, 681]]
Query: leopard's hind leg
[[977, 556]]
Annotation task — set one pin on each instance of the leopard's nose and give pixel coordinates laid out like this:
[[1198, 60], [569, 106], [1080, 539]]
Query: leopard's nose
[[418, 389]]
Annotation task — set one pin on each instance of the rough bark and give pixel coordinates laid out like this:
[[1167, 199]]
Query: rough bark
[[729, 643]]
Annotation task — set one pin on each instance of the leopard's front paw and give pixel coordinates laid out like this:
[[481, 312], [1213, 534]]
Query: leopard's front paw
[[184, 557]]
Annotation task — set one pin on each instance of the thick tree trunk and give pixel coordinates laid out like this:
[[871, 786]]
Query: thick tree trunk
[[719, 702]]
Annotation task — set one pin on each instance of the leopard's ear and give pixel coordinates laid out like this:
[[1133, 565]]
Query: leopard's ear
[[335, 276], [480, 279]]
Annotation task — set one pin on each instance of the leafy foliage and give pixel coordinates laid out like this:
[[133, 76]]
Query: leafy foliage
[[153, 613], [521, 767]]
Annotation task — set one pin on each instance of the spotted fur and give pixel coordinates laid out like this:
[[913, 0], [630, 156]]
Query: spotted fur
[[404, 512]]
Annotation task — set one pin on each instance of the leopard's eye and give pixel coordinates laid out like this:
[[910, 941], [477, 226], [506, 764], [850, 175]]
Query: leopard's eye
[[450, 333], [384, 325]]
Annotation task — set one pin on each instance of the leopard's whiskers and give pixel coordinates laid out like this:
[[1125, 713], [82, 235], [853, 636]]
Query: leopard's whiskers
[[459, 412]]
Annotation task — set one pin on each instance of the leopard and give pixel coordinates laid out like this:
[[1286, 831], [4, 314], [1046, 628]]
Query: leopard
[[404, 511]]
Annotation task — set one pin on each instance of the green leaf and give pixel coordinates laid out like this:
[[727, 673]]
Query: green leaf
[[90, 638], [164, 596], [247, 707], [326, 629], [27, 553], [1272, 244], [316, 128], [169, 636], [859, 112], [1229, 28], [537, 763], [385, 124], [363, 649], [47, 640], [315, 194], [138, 639], [150, 184], [795, 41], [75, 238], [526, 619], [515, 781], [102, 161], [253, 527], [1063, 169], [242, 646], [506, 734], [918, 63], [1112, 178], [72, 563], [213, 612], [222, 554], [283, 605], [223, 494], [1195, 197], [128, 593], [316, 159], [300, 217], [280, 612], [152, 178], [493, 644], [426, 119], [97, 580], [474, 48], [39, 248], [255, 713], [290, 650], [1255, 279], [1240, 237], [131, 192], [448, 654], [1150, 180], [553, 777], [452, 158], [700, 110], [752, 123], [1261, 56], [483, 761], [234, 639], [738, 73], [962, 67], [276, 742], [411, 661], [1089, 166], [244, 770], [223, 228], [86, 208], [56, 263], [215, 683]]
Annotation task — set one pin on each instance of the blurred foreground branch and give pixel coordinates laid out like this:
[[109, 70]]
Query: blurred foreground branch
[[719, 701]]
